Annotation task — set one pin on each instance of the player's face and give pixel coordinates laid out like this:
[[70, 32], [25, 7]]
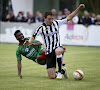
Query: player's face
[[20, 37], [49, 20]]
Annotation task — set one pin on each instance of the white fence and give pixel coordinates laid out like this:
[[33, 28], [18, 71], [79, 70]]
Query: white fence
[[80, 35], [69, 34]]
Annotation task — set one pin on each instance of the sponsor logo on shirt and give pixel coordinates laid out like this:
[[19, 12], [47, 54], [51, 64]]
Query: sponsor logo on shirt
[[31, 53], [52, 33], [27, 50]]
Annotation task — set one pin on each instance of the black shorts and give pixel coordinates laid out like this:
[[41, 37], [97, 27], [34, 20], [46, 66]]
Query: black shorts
[[51, 60]]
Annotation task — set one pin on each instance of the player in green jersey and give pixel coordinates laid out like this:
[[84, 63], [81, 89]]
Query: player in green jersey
[[33, 52]]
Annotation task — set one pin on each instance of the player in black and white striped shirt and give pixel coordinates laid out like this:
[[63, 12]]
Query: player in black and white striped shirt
[[50, 34]]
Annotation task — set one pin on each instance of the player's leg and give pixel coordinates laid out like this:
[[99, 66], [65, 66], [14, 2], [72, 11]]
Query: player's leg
[[59, 57], [41, 58], [51, 73], [42, 52], [59, 51], [51, 65]]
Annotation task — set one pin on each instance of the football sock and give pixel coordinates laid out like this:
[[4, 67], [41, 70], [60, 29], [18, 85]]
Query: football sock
[[56, 73], [62, 71], [59, 61], [43, 57]]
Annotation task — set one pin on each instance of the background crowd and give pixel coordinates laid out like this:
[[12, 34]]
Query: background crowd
[[86, 19]]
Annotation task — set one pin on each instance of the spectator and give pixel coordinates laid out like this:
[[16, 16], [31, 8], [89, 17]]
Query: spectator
[[27, 17], [54, 13], [20, 17], [85, 12], [80, 20], [31, 19], [66, 13], [86, 20], [60, 15], [75, 19], [37, 14], [93, 18], [97, 21], [70, 25], [39, 17], [23, 17], [12, 16], [8, 18]]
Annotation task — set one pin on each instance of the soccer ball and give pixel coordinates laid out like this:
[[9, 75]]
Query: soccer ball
[[78, 75]]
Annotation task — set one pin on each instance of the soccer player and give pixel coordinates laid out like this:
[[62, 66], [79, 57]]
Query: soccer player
[[33, 52], [50, 34]]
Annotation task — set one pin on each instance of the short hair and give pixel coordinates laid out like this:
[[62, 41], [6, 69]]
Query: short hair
[[47, 14], [17, 31]]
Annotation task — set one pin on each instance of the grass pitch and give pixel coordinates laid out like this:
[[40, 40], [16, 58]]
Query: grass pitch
[[35, 76]]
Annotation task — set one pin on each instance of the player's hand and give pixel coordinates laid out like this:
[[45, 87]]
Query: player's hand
[[26, 42], [81, 6], [33, 44]]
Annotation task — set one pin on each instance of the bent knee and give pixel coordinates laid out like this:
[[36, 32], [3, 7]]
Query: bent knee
[[59, 51], [52, 77], [38, 57], [51, 73]]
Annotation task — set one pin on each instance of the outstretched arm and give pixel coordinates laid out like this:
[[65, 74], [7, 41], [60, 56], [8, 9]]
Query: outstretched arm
[[36, 44], [31, 40], [37, 32], [75, 12], [19, 69]]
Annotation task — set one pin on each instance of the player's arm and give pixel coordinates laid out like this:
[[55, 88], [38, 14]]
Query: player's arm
[[31, 40], [75, 12], [68, 18], [19, 58], [37, 32], [19, 68], [37, 44]]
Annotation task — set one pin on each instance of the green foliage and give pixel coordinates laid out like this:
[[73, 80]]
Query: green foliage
[[92, 5], [35, 76], [80, 13]]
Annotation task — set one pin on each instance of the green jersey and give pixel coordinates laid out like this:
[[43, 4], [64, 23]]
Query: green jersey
[[30, 52]]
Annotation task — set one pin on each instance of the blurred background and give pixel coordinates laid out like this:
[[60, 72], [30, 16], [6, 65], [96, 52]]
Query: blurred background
[[81, 32], [35, 7], [26, 15]]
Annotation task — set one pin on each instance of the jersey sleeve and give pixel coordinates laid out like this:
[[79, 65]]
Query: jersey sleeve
[[18, 55], [38, 31], [61, 22]]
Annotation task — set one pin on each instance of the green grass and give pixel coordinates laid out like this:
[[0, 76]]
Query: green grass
[[35, 76]]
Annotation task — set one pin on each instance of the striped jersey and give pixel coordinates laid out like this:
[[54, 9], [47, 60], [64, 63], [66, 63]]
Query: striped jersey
[[50, 34]]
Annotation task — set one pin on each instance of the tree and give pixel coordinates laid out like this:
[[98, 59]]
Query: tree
[[95, 4], [92, 5]]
